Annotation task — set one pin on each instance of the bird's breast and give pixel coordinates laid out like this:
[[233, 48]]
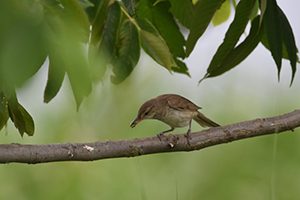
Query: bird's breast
[[176, 118]]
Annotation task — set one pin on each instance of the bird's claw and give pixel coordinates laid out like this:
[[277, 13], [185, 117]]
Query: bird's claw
[[159, 135], [188, 136]]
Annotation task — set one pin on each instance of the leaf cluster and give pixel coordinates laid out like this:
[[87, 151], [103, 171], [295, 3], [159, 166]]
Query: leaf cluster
[[81, 38]]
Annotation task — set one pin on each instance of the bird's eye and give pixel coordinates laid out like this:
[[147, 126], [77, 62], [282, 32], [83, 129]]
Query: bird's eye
[[146, 113]]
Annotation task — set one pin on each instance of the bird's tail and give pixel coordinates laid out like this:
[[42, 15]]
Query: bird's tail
[[204, 121]]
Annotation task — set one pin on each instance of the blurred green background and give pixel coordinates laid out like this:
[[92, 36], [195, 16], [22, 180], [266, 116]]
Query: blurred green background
[[259, 168]]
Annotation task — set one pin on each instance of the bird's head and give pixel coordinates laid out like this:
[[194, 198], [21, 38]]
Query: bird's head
[[147, 111]]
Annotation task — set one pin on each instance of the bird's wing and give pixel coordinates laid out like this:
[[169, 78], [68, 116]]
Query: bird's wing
[[181, 103]]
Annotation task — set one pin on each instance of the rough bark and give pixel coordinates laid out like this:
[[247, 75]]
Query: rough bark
[[33, 154]]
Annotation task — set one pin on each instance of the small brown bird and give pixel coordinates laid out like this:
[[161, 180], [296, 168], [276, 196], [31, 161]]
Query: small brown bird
[[174, 110]]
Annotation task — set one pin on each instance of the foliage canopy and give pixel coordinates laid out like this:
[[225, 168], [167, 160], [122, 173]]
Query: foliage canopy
[[82, 37]]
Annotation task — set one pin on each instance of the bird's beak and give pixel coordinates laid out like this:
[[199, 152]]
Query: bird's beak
[[135, 122]]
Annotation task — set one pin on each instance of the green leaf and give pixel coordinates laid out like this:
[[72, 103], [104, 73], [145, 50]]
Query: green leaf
[[20, 117], [108, 42], [164, 22], [238, 54], [255, 12], [105, 45], [128, 52], [263, 6], [86, 4], [56, 73], [3, 103], [154, 45], [130, 6], [222, 14], [69, 47], [8, 91], [183, 11], [274, 33], [55, 20], [3, 119], [93, 10], [182, 68], [78, 71], [99, 21], [289, 41], [264, 41], [204, 12], [235, 30], [78, 15], [3, 110], [22, 50]]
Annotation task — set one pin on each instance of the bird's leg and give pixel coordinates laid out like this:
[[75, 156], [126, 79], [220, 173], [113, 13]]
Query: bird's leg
[[188, 133], [162, 133]]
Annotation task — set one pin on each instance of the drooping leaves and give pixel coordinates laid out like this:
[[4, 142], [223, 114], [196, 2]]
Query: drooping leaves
[[204, 12], [128, 52], [67, 37], [104, 43], [160, 17], [78, 16], [237, 27], [82, 37], [23, 41], [289, 42], [273, 31], [77, 71], [183, 11], [154, 45], [20, 117], [56, 73], [74, 51], [182, 68], [98, 21], [279, 37], [108, 41], [239, 53]]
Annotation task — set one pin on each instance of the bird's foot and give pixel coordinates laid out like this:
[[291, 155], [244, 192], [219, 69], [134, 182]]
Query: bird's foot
[[188, 136], [159, 135]]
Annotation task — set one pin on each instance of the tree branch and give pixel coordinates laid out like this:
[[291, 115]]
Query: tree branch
[[32, 154]]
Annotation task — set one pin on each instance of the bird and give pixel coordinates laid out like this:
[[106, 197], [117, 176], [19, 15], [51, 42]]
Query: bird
[[174, 110]]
